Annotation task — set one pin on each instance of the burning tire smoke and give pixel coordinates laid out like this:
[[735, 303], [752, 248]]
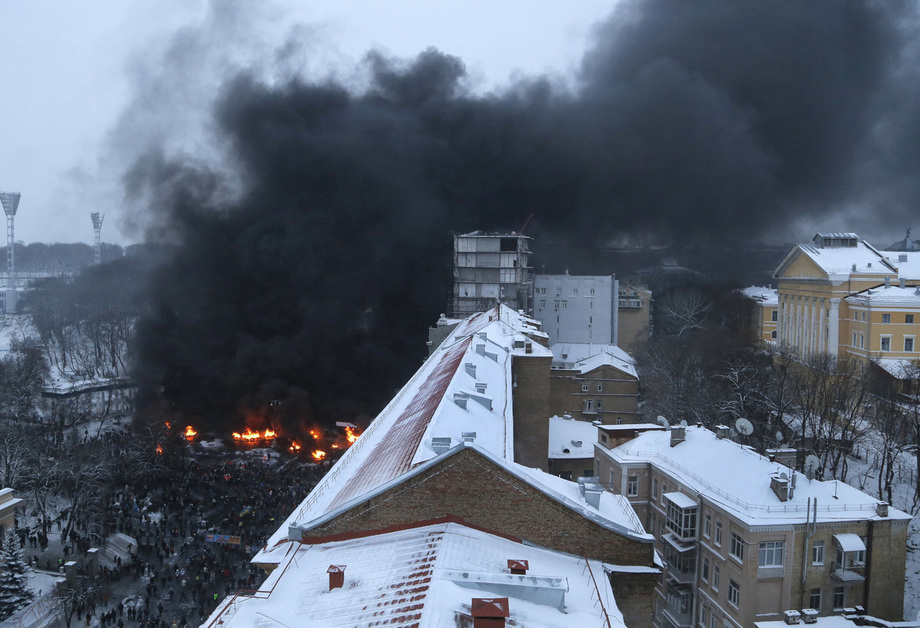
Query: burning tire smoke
[[311, 256]]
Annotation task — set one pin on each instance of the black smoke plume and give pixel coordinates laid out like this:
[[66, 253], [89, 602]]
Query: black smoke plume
[[311, 258]]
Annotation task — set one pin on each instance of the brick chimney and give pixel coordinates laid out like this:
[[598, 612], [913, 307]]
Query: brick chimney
[[336, 576], [518, 567], [489, 612]]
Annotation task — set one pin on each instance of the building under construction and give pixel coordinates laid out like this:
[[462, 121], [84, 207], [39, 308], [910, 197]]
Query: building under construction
[[490, 268]]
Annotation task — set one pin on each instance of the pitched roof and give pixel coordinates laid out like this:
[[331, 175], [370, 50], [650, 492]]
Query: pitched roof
[[585, 357], [839, 263], [425, 576]]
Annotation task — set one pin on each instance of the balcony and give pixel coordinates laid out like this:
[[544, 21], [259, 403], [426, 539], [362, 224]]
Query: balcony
[[849, 573], [678, 607]]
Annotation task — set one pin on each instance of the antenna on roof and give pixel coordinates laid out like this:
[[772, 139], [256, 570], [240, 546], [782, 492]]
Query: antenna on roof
[[526, 222]]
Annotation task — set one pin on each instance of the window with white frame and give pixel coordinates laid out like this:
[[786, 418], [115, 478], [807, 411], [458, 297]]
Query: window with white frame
[[707, 525], [600, 388], [542, 303], [718, 536], [908, 343], [599, 404], [909, 319], [716, 577], [840, 597], [817, 553], [682, 521], [734, 593], [886, 343], [704, 574], [770, 554], [584, 387], [632, 486], [774, 316], [862, 340], [736, 548], [814, 599], [886, 318]]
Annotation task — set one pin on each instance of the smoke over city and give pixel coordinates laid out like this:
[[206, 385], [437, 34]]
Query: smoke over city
[[312, 218]]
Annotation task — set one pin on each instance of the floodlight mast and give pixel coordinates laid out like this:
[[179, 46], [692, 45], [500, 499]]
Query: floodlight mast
[[97, 218], [10, 202]]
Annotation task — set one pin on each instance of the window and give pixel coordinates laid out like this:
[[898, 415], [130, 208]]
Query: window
[[817, 553], [774, 316], [862, 340], [734, 593], [705, 573], [909, 343], [591, 305], [707, 524], [589, 405], [718, 539], [598, 403], [682, 521], [584, 387], [575, 292], [770, 554], [854, 339], [715, 577], [773, 335], [592, 291], [736, 548], [590, 320], [556, 304], [565, 304], [909, 319], [814, 600], [864, 317], [541, 290], [704, 615], [542, 303], [886, 343], [855, 316], [886, 318], [632, 486], [840, 597], [600, 388]]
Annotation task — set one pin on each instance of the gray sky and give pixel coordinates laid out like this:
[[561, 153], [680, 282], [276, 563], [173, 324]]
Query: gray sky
[[69, 69]]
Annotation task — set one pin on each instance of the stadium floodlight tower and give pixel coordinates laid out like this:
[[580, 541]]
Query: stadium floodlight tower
[[10, 202], [97, 228]]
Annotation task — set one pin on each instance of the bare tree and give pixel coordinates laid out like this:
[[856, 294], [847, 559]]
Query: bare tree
[[682, 311]]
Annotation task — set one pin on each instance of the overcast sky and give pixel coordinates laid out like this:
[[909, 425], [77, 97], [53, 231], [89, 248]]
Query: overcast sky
[[68, 73]]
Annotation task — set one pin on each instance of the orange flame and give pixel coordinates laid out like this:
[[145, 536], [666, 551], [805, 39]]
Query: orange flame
[[350, 434], [314, 434], [318, 454], [295, 446], [190, 433], [160, 450], [168, 426], [249, 435]]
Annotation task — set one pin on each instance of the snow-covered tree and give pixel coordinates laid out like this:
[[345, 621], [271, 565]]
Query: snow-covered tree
[[13, 591]]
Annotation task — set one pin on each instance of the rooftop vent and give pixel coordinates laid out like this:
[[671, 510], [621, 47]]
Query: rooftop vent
[[902, 257], [460, 399], [481, 387], [678, 435], [440, 444], [809, 616], [779, 484], [470, 369], [881, 509], [468, 437], [902, 283], [887, 285], [791, 617], [336, 576], [518, 567], [853, 269], [593, 496], [489, 612], [722, 431], [576, 443]]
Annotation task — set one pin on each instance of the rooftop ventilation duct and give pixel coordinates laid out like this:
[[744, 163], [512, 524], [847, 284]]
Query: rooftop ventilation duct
[[779, 484], [722, 431], [468, 437], [489, 612], [470, 369], [336, 576], [518, 567], [440, 444], [902, 283], [881, 509], [809, 616], [460, 399], [887, 281], [678, 435], [792, 617], [902, 257], [481, 387]]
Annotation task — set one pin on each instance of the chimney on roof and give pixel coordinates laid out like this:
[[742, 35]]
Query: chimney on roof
[[791, 617], [881, 509], [721, 431], [678, 435], [336, 576], [779, 484], [809, 616], [440, 444], [902, 283], [887, 281], [489, 612], [518, 567]]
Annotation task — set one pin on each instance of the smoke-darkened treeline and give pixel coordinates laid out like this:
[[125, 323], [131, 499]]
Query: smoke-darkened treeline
[[307, 269]]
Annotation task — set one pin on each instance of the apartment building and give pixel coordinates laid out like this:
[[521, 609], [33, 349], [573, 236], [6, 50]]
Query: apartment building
[[634, 317], [746, 538], [594, 383], [577, 308], [766, 313]]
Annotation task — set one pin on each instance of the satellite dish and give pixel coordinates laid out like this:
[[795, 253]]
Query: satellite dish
[[683, 423], [663, 422], [779, 436], [812, 463], [744, 426]]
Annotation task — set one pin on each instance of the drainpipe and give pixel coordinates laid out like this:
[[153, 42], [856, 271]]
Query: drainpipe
[[811, 525]]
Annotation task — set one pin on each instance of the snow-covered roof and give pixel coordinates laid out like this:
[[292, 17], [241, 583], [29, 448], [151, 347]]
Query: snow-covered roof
[[907, 263], [840, 262], [571, 439], [585, 357], [893, 296], [898, 368], [764, 296], [424, 576], [738, 479]]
